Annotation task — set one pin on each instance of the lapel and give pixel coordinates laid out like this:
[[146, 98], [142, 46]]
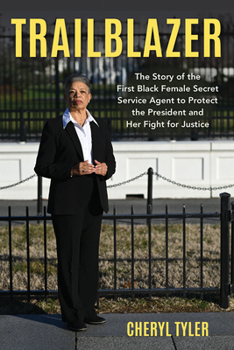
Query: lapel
[[75, 139], [95, 139]]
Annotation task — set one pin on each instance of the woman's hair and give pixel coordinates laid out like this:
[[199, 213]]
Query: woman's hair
[[76, 77]]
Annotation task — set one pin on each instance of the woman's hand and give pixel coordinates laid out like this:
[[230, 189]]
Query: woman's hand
[[83, 168], [100, 168]]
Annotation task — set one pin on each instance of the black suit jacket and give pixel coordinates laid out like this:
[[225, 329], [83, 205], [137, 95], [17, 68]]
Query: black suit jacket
[[59, 151]]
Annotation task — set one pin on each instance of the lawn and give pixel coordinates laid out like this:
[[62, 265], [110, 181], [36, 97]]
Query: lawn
[[211, 267]]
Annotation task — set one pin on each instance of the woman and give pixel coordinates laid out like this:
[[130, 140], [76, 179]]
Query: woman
[[76, 153]]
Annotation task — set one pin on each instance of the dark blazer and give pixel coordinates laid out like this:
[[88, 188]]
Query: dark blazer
[[59, 151]]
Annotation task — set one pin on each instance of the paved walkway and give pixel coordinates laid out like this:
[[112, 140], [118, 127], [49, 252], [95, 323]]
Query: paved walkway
[[42, 332], [123, 206]]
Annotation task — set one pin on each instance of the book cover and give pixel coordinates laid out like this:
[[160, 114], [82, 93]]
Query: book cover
[[163, 80]]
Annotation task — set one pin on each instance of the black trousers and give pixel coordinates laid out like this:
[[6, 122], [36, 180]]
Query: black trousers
[[77, 239]]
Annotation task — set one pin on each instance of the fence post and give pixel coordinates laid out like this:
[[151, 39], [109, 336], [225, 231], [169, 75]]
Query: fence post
[[22, 126], [39, 195], [57, 98], [149, 208], [224, 276]]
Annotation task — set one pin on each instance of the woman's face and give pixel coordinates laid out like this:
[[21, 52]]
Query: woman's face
[[78, 96]]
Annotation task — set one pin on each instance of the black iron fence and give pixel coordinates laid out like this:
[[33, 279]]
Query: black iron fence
[[225, 260], [31, 89]]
